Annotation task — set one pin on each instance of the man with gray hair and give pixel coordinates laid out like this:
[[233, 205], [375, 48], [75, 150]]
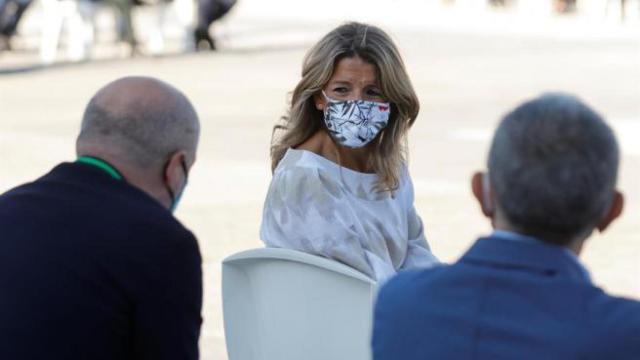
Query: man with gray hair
[[93, 265], [522, 293]]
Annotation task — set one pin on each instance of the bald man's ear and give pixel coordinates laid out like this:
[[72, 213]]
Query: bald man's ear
[[615, 210], [482, 192], [175, 171]]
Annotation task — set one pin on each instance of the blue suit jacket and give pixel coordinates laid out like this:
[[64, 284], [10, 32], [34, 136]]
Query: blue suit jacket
[[504, 300]]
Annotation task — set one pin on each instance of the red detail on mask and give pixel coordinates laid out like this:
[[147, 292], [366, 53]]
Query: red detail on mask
[[383, 107]]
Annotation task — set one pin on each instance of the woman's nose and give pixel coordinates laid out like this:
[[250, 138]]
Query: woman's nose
[[356, 94]]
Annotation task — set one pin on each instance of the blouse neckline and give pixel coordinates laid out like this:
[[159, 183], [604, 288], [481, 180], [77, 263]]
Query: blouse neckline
[[358, 184], [334, 167]]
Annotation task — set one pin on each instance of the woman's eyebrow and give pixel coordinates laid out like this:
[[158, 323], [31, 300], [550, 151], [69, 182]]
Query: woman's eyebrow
[[346, 82], [340, 82]]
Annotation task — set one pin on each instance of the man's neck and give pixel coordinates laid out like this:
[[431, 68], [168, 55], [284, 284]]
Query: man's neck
[[133, 176], [499, 223]]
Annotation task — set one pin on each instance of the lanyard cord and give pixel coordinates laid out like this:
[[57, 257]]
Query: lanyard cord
[[101, 164]]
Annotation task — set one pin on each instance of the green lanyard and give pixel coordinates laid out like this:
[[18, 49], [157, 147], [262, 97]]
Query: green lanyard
[[101, 164]]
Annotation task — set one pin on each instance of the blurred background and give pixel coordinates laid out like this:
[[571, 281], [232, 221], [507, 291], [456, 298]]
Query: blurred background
[[470, 61]]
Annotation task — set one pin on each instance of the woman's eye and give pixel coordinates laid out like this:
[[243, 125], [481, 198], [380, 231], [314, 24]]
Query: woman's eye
[[373, 92], [340, 90]]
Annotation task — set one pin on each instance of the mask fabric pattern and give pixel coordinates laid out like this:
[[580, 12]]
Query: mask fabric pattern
[[354, 123]]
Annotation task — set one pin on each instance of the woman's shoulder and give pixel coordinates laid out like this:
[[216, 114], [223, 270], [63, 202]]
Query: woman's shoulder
[[307, 163], [300, 171], [405, 184], [297, 161], [296, 167], [305, 171]]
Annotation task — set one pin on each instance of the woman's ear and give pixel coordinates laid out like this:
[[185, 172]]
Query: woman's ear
[[319, 101], [615, 210]]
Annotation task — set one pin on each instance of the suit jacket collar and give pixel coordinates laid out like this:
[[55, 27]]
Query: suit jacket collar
[[535, 256], [93, 176], [83, 172]]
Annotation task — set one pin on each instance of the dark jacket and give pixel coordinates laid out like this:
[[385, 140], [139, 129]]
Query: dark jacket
[[504, 300], [93, 268]]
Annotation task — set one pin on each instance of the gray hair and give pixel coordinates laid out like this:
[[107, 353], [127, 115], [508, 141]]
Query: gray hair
[[553, 166], [142, 119]]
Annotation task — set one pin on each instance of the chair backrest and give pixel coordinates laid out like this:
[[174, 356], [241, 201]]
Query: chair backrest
[[282, 304]]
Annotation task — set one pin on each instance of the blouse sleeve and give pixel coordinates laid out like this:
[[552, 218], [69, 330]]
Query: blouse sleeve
[[419, 253], [308, 212]]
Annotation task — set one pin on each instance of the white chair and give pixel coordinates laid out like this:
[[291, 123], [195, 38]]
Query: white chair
[[282, 304]]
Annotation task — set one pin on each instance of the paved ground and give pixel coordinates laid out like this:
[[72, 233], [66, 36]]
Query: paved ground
[[465, 78]]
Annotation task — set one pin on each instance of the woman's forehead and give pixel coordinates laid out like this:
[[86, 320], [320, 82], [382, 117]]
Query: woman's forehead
[[354, 70]]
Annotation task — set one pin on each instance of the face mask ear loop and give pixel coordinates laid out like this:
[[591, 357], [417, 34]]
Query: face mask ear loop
[[325, 112], [184, 168], [166, 185], [171, 193], [330, 100], [178, 196], [326, 108]]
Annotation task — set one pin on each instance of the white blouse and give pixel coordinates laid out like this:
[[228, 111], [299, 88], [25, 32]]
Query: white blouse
[[319, 207]]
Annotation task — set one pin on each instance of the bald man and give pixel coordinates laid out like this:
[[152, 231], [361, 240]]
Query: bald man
[[93, 265]]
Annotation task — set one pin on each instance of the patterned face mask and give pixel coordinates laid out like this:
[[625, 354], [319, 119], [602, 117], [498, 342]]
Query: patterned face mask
[[354, 123]]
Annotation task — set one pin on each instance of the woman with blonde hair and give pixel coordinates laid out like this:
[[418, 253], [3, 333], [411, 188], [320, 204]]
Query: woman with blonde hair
[[340, 186]]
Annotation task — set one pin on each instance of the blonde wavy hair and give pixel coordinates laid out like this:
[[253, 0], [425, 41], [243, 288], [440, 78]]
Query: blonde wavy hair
[[374, 46]]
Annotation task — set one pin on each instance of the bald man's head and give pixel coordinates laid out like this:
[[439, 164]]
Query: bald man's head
[[139, 121]]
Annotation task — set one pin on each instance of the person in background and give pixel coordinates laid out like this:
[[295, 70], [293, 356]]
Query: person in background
[[11, 12], [340, 187], [124, 23], [93, 265], [522, 293], [209, 11]]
